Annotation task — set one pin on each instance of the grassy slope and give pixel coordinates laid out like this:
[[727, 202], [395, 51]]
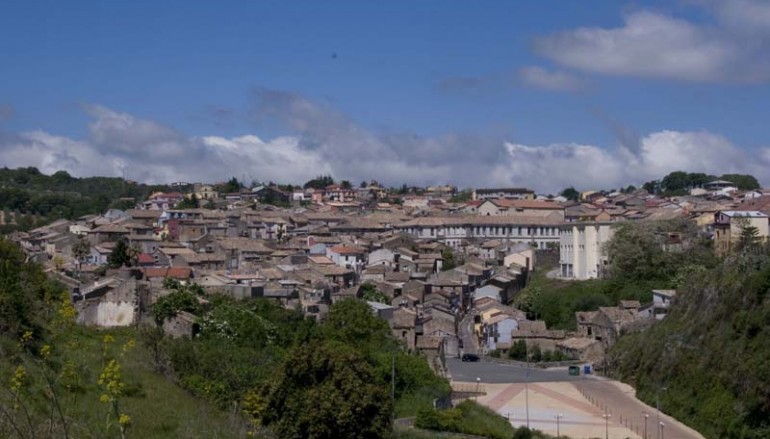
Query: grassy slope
[[158, 408]]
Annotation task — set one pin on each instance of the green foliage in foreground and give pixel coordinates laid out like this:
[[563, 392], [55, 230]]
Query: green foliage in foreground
[[62, 380], [278, 367], [468, 418], [710, 352]]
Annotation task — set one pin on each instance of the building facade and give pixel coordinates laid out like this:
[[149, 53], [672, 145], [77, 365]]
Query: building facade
[[539, 232], [582, 249]]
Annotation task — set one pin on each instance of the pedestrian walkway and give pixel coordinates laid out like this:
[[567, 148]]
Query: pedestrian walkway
[[590, 408], [554, 408]]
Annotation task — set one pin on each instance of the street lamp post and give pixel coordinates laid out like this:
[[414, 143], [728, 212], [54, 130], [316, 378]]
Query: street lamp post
[[661, 429], [526, 382], [645, 425], [558, 431], [478, 382], [657, 408], [606, 417]]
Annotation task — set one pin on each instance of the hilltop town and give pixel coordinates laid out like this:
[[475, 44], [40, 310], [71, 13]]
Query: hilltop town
[[424, 259]]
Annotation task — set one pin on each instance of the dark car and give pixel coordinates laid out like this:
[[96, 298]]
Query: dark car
[[470, 357]]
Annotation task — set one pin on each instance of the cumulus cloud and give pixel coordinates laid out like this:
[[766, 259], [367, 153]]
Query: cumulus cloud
[[650, 44], [322, 140], [539, 77], [554, 167], [151, 152]]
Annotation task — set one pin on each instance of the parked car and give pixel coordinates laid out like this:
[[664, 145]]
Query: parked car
[[470, 357]]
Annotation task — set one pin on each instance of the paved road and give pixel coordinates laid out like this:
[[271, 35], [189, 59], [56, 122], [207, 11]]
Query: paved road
[[465, 329], [504, 373]]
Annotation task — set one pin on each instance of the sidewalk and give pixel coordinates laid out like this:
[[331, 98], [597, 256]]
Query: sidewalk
[[580, 409]]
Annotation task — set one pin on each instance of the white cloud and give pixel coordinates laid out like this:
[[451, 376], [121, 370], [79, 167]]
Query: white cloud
[[325, 141], [654, 45], [539, 77], [151, 152], [554, 167]]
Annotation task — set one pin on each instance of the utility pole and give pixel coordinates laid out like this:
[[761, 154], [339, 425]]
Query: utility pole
[[526, 382], [558, 430], [606, 417], [645, 425], [393, 384], [657, 408]]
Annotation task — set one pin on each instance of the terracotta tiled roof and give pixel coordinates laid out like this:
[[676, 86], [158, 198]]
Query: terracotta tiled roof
[[527, 204], [181, 273], [347, 250], [145, 258]]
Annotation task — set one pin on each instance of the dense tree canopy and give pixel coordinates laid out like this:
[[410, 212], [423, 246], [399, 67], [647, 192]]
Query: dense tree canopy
[[570, 193], [38, 198], [319, 182], [680, 182], [326, 391]]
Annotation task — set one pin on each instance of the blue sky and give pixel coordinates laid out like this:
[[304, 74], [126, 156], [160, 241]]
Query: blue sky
[[505, 76]]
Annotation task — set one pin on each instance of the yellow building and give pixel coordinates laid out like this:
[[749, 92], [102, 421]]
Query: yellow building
[[729, 225]]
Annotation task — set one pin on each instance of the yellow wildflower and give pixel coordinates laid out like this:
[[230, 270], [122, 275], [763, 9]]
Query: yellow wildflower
[[124, 419], [19, 379], [26, 337], [130, 344], [45, 351]]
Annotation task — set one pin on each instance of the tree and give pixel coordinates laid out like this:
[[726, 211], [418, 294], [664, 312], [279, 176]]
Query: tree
[[319, 182], [122, 255], [362, 185], [448, 257], [749, 237], [652, 187], [328, 390], [369, 292], [570, 193], [676, 183], [352, 322], [346, 184], [189, 203], [233, 185], [744, 182], [629, 189], [518, 351], [535, 354], [81, 249]]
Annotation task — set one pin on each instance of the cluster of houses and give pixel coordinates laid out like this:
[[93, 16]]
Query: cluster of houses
[[430, 259]]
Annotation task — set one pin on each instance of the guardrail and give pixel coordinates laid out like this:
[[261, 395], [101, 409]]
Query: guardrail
[[469, 388], [532, 365]]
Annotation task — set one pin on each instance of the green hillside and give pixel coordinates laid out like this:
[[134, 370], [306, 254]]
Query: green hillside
[[712, 353], [38, 198]]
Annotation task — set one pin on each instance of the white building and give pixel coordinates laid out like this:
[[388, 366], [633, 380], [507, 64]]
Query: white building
[[346, 256], [661, 300], [537, 231], [517, 193], [581, 249]]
